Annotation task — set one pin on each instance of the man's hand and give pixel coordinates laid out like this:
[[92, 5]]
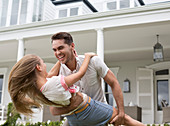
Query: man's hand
[[118, 120], [75, 102]]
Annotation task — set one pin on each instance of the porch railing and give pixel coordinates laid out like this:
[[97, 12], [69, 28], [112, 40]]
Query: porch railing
[[3, 113]]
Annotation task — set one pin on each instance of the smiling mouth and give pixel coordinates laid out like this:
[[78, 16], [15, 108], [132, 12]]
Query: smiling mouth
[[60, 58]]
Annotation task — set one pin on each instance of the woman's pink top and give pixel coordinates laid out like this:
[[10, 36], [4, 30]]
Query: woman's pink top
[[56, 90]]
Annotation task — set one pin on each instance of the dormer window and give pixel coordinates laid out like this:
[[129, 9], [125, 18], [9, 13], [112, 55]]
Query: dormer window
[[68, 12], [74, 11], [124, 3], [111, 5], [62, 13]]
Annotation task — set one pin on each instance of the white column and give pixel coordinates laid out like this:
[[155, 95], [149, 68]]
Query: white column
[[20, 48], [30, 8], [19, 12], [100, 43], [118, 4], [132, 3], [8, 19], [100, 48]]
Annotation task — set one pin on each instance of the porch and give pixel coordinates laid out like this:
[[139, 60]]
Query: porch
[[124, 39]]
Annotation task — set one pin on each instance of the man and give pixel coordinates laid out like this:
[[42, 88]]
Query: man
[[90, 84]]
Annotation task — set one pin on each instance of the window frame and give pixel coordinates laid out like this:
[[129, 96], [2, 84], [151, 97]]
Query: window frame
[[3, 72], [158, 78]]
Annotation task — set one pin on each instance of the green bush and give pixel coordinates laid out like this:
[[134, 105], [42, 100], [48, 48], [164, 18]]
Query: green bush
[[13, 116], [166, 125]]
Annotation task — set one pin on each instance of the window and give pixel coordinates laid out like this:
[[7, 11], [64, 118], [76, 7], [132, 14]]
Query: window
[[38, 10], [34, 18], [111, 5], [162, 72], [68, 12], [1, 84], [162, 92], [23, 13], [62, 13], [2, 81], [108, 94], [14, 12], [124, 3], [74, 11], [3, 12]]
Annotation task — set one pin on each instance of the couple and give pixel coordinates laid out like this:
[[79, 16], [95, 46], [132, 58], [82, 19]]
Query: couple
[[28, 78]]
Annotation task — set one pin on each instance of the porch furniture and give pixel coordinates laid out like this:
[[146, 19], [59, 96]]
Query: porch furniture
[[166, 114], [134, 111]]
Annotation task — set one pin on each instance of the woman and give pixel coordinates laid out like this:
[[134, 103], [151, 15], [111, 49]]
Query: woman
[[29, 86]]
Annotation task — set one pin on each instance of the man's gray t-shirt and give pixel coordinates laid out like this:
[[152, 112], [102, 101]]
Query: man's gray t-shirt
[[90, 83]]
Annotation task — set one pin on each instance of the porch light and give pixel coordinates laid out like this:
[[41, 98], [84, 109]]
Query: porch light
[[158, 51], [126, 86]]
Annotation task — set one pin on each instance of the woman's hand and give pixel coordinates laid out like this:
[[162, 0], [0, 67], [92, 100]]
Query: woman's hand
[[90, 54]]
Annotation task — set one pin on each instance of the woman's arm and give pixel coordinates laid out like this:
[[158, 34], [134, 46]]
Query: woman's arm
[[55, 70], [73, 78]]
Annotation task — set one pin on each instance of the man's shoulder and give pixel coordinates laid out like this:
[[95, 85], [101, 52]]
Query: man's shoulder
[[93, 59], [80, 57]]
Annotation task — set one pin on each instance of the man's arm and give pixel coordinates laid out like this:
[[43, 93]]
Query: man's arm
[[75, 102], [118, 95]]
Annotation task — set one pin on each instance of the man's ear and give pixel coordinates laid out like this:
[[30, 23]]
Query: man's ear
[[72, 46], [38, 68]]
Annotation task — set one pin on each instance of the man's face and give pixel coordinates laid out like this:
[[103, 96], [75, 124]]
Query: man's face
[[62, 51]]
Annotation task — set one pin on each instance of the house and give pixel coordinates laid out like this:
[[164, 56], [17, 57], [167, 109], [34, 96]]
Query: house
[[121, 32]]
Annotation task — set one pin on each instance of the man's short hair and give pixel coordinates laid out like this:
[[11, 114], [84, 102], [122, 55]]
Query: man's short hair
[[62, 35]]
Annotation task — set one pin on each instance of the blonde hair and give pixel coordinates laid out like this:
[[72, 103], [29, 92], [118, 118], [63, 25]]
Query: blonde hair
[[22, 85]]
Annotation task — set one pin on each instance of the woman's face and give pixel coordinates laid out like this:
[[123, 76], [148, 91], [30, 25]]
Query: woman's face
[[43, 67]]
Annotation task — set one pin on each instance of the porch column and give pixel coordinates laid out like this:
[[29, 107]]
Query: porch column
[[100, 48], [20, 48], [100, 43]]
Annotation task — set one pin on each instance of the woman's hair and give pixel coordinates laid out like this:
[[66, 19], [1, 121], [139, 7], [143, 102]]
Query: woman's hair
[[22, 85]]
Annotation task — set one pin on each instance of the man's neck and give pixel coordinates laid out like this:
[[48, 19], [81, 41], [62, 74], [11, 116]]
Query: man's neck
[[72, 64]]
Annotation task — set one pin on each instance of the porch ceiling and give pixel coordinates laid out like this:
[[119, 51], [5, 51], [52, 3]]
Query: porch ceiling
[[120, 43]]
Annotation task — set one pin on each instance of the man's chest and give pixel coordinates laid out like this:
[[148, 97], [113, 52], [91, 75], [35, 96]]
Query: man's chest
[[89, 79]]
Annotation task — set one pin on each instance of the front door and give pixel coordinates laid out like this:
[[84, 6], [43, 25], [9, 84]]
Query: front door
[[145, 94]]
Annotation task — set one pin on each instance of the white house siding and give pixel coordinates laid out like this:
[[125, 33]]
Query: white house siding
[[49, 10], [86, 10]]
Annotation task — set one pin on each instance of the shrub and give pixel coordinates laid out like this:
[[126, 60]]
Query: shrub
[[13, 116]]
